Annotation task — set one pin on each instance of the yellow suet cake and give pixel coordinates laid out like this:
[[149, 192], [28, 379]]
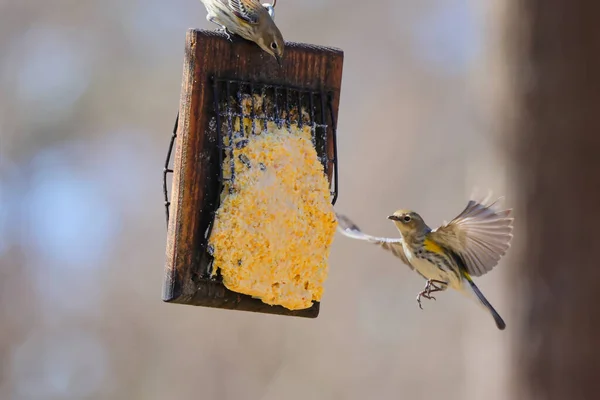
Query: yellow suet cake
[[274, 228]]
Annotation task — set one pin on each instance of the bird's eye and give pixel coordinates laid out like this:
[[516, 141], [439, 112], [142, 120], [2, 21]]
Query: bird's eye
[[274, 46], [406, 218]]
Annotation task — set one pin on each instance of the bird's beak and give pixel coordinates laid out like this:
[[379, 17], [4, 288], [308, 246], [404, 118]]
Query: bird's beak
[[394, 218], [278, 60]]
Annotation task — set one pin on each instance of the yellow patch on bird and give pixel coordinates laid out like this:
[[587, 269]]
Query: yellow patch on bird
[[432, 247], [273, 232]]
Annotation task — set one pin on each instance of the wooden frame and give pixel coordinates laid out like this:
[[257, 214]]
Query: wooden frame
[[208, 56]]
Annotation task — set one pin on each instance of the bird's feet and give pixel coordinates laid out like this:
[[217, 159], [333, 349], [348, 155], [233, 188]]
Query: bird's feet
[[224, 30], [221, 28], [430, 287], [423, 293]]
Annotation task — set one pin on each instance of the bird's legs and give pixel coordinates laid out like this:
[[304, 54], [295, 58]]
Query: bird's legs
[[430, 287], [222, 28]]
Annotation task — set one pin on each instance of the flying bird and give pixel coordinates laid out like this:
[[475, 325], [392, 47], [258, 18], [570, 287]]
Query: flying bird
[[451, 255]]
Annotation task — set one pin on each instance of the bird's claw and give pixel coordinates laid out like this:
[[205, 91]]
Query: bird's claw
[[221, 28], [424, 293], [430, 287], [224, 30]]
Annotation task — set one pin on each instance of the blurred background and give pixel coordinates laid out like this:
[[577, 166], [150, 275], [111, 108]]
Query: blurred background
[[89, 91]]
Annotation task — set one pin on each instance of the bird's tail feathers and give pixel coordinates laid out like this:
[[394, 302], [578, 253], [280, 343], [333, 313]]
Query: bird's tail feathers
[[484, 302]]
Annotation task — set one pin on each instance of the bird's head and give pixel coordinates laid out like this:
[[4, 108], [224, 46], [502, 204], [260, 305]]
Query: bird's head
[[408, 222], [270, 39]]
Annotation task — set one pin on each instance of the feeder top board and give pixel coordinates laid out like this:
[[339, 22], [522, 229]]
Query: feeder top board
[[304, 66]]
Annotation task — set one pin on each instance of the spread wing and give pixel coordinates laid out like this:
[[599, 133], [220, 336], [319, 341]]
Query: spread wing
[[480, 235], [349, 228], [248, 10]]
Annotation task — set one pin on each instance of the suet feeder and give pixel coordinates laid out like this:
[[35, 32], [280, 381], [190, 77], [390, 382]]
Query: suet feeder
[[218, 75]]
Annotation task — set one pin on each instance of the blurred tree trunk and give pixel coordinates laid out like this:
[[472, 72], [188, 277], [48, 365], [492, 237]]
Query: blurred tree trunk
[[557, 139]]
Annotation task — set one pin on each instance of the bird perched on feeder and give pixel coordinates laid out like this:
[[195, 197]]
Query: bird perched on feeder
[[448, 256], [249, 19]]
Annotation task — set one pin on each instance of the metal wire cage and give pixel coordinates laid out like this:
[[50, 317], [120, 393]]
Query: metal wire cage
[[199, 173]]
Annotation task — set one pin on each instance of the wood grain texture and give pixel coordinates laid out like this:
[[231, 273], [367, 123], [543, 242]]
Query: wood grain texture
[[194, 193]]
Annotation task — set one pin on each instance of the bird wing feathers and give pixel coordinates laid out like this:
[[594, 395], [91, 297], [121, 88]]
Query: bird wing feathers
[[480, 235], [349, 228], [248, 10]]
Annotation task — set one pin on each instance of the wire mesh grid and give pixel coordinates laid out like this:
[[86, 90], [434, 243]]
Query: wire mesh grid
[[261, 104]]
